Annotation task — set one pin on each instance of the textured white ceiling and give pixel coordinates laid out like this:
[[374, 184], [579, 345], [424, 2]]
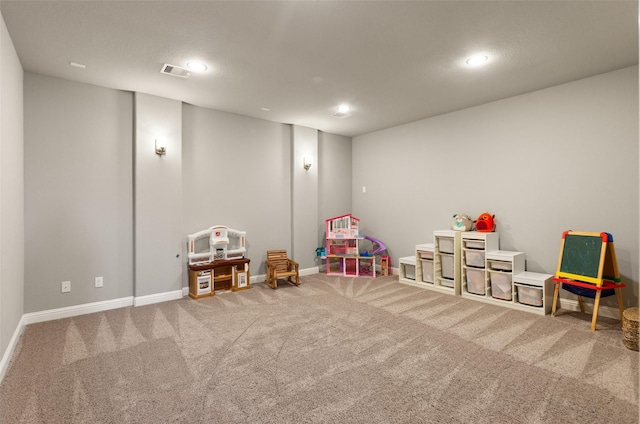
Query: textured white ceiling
[[395, 62]]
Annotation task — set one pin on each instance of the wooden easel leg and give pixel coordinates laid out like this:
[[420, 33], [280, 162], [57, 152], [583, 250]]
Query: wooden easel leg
[[620, 305], [595, 310], [581, 303], [555, 299]]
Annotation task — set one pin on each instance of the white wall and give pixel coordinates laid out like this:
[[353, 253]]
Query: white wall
[[334, 188], [237, 172], [11, 190], [563, 158], [78, 192], [304, 195], [159, 248]]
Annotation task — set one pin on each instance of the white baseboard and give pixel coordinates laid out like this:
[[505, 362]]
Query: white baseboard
[[603, 310], [52, 314], [86, 308], [258, 278], [158, 297], [309, 271], [8, 353], [72, 311], [306, 271]]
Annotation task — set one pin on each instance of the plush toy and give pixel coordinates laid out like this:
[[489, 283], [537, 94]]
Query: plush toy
[[485, 223], [461, 222]]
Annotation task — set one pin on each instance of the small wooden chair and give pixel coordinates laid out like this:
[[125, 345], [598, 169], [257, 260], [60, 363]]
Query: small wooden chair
[[280, 266]]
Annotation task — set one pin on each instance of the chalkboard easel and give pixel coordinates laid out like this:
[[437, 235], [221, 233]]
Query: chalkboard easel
[[587, 266]]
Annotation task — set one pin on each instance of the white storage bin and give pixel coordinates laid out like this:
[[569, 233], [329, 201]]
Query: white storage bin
[[500, 285], [475, 280], [426, 255], [445, 245], [447, 266], [529, 295], [501, 265], [427, 270], [446, 283], [473, 244], [474, 258], [410, 271], [407, 267]]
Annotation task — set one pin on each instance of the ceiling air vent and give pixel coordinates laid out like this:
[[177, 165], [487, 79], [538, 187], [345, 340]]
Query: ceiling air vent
[[341, 115], [176, 71]]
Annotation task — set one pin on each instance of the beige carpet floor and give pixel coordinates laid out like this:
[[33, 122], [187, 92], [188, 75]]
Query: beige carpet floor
[[334, 350]]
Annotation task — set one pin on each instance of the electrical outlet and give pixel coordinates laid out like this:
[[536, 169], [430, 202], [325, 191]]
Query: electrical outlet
[[66, 286], [98, 281]]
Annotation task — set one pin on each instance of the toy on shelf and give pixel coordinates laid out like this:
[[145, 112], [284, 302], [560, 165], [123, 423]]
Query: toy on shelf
[[461, 222], [486, 223], [216, 243]]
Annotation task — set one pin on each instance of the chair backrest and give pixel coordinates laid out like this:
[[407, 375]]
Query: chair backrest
[[279, 258]]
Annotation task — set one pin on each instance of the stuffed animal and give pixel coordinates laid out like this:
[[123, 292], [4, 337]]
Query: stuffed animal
[[485, 223], [461, 222]]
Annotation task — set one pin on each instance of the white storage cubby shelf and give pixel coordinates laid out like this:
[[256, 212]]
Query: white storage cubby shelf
[[407, 270], [475, 276], [533, 292], [422, 264], [471, 265], [446, 261]]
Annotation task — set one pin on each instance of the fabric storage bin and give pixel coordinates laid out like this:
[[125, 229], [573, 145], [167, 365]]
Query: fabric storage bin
[[501, 265], [445, 245], [529, 295], [475, 280], [500, 285], [474, 244], [447, 266], [425, 254], [427, 270], [474, 258]]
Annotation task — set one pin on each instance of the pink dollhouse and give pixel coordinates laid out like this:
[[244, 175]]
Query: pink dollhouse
[[342, 255]]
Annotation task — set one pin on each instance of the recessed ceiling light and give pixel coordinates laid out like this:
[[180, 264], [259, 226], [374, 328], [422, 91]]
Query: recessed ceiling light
[[197, 66], [477, 59], [344, 108]]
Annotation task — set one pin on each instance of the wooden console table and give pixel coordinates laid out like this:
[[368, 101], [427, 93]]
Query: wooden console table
[[229, 274]]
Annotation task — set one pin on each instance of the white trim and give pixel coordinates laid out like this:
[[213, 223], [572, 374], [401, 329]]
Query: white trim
[[8, 353], [603, 310], [75, 310], [158, 297], [258, 278], [309, 271], [72, 311]]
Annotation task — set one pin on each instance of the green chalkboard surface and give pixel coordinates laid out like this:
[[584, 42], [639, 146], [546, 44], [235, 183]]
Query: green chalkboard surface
[[581, 255]]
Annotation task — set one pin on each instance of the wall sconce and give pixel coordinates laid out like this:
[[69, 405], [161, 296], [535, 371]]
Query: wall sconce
[[161, 147], [306, 163]]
